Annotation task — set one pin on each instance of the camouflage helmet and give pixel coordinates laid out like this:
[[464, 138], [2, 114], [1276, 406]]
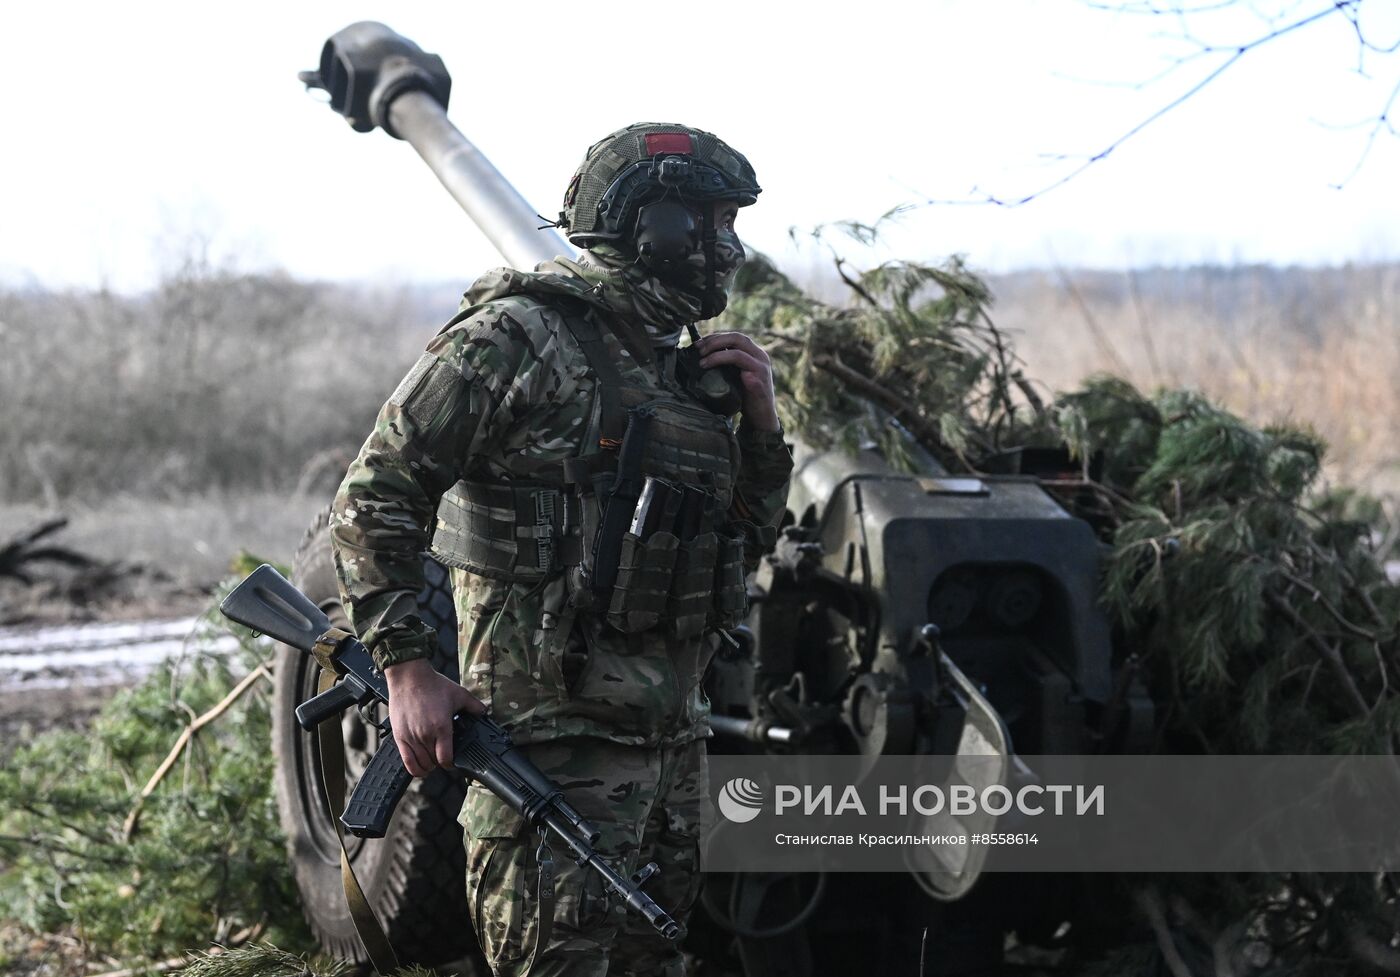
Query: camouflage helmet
[[642, 163]]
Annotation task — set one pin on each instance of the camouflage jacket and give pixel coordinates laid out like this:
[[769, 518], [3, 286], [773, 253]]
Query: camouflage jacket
[[501, 391]]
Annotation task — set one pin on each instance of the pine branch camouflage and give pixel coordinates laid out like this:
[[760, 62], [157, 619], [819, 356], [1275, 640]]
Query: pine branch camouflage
[[1252, 594]]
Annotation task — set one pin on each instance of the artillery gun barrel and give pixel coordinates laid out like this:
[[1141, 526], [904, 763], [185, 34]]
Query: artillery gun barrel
[[755, 730], [379, 79], [490, 201]]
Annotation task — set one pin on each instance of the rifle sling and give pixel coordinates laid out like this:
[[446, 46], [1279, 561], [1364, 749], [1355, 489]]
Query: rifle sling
[[371, 934], [544, 859]]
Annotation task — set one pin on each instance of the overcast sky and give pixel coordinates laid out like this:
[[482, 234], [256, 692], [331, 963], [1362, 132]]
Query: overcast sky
[[133, 128]]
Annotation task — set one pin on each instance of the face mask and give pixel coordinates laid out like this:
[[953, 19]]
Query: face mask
[[693, 276]]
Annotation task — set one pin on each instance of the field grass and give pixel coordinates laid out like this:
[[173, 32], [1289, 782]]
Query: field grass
[[213, 414]]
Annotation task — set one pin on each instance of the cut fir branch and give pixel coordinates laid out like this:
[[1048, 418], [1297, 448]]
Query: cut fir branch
[[912, 328], [207, 862]]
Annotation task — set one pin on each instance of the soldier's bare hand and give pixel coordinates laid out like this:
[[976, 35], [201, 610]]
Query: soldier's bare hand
[[422, 702], [755, 372]]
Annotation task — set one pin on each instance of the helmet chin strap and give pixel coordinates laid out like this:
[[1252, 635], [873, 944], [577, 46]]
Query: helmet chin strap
[[707, 242]]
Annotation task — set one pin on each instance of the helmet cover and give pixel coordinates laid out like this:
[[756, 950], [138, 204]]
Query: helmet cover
[[643, 163]]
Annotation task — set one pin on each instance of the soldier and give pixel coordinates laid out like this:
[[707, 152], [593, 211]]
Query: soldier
[[599, 508]]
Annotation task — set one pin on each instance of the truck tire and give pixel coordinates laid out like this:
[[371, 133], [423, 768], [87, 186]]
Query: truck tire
[[414, 877]]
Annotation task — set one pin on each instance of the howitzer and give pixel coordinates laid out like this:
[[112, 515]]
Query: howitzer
[[482, 749]]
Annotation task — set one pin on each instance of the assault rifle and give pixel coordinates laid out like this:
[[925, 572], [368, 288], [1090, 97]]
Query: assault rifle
[[268, 603]]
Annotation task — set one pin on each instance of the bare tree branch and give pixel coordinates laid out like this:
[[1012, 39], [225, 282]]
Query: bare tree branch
[[1382, 123], [1278, 25]]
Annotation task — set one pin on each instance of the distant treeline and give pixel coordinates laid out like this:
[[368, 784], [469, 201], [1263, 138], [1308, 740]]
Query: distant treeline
[[233, 381]]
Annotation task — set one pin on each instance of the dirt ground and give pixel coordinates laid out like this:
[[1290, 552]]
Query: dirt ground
[[63, 597], [26, 954], [26, 712], [149, 558]]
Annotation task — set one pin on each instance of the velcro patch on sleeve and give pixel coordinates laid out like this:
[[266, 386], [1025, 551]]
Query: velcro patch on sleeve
[[426, 389]]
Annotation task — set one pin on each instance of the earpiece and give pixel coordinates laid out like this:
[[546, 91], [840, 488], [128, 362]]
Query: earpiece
[[668, 233]]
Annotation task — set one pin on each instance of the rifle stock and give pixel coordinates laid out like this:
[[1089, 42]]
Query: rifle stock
[[267, 603]]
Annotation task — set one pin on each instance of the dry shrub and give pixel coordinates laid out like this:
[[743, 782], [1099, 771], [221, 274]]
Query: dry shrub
[[214, 379]]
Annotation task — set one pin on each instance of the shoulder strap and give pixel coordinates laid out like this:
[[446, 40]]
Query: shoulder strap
[[584, 329]]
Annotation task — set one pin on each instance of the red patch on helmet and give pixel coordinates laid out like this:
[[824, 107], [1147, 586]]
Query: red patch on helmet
[[669, 142]]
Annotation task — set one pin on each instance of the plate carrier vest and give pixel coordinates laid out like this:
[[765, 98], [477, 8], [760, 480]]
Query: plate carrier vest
[[580, 516]]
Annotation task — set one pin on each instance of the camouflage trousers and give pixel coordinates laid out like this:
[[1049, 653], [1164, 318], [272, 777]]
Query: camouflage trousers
[[647, 803]]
